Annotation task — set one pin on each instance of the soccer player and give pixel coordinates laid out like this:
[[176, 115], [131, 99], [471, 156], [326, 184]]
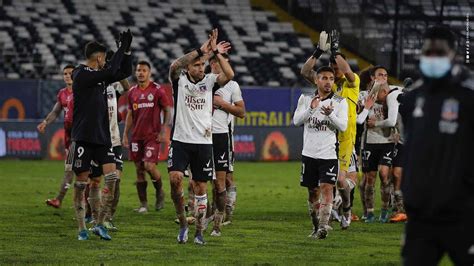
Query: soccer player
[[229, 179], [323, 114], [346, 85], [438, 181], [113, 92], [227, 102], [63, 98], [387, 96], [90, 129], [378, 149], [146, 100], [191, 136]]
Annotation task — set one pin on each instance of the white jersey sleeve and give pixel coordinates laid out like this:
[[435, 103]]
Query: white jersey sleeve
[[339, 116], [303, 110], [392, 105], [230, 93]]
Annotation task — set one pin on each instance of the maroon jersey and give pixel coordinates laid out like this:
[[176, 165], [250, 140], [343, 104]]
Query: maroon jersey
[[146, 105], [64, 97]]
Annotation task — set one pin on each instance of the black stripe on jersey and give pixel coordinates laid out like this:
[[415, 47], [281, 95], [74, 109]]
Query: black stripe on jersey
[[215, 88], [174, 83]]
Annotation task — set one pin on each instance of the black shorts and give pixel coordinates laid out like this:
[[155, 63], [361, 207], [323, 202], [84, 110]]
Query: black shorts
[[197, 156], [397, 155], [374, 155], [426, 243], [316, 171], [221, 150], [96, 169], [85, 152]]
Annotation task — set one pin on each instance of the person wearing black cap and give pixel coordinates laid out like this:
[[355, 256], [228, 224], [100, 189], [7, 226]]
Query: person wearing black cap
[[90, 129], [438, 180]]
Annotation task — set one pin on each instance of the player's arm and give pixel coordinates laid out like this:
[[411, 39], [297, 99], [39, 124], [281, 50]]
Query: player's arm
[[128, 125], [236, 109], [339, 117], [346, 69], [180, 63], [340, 61], [307, 70], [125, 84], [391, 120], [369, 102], [166, 123], [115, 71], [304, 111], [55, 112]]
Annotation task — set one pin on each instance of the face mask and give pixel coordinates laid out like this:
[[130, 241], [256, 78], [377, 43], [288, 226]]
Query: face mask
[[435, 66]]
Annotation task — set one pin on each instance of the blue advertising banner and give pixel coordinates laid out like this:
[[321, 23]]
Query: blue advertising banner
[[21, 140], [18, 99], [269, 107]]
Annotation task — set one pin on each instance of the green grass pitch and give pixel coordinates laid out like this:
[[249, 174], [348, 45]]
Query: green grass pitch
[[270, 226]]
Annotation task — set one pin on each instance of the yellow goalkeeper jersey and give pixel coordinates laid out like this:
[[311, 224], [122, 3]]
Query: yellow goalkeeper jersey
[[351, 93]]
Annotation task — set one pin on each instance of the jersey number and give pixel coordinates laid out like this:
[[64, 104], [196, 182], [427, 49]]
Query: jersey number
[[80, 150]]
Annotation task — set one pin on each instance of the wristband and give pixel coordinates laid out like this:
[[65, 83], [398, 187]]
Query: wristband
[[317, 53], [216, 52]]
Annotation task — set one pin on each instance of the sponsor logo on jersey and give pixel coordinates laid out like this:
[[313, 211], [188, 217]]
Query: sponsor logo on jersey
[[150, 97], [136, 106], [194, 103], [318, 125]]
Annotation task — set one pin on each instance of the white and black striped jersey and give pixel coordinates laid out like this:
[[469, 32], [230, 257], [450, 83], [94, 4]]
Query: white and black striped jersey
[[230, 93], [320, 130], [192, 121]]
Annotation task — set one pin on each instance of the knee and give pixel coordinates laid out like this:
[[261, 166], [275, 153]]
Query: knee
[[94, 182], [175, 178], [149, 167]]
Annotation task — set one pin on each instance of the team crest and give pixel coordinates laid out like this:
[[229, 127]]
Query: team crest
[[202, 87], [450, 109], [150, 97]]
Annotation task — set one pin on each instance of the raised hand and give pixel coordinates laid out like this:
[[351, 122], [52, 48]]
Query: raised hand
[[126, 40], [323, 45], [213, 39], [315, 102], [223, 47], [334, 42], [369, 101]]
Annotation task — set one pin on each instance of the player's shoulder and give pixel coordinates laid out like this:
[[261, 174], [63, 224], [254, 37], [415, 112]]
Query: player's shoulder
[[132, 89], [337, 98]]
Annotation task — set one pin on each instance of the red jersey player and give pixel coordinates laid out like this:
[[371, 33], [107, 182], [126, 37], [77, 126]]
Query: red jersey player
[[145, 103], [64, 98]]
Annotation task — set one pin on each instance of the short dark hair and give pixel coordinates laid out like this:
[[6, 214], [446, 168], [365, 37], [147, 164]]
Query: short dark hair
[[441, 32], [68, 66], [375, 68], [214, 57], [325, 69], [93, 47], [144, 63], [332, 59]]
